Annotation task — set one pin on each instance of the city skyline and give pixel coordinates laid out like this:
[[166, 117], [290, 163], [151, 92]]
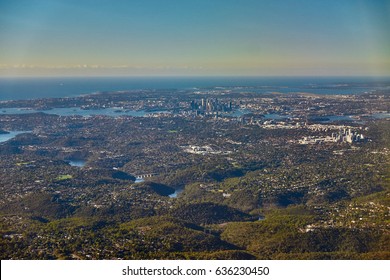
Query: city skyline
[[194, 38]]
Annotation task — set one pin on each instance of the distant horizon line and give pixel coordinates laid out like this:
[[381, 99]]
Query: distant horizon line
[[193, 76]]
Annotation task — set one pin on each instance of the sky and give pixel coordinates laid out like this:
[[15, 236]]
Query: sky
[[194, 38]]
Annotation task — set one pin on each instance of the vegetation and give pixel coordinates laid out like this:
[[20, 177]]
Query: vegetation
[[254, 193]]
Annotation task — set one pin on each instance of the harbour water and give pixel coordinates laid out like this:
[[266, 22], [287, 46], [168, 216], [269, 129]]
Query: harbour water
[[112, 112], [10, 135], [276, 117]]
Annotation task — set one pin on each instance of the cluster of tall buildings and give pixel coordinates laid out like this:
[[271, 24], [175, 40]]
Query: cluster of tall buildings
[[343, 136], [210, 105], [347, 136]]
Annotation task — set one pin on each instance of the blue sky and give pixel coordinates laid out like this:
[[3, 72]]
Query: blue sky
[[203, 37]]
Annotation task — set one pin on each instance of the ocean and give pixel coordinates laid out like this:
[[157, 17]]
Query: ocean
[[35, 88]]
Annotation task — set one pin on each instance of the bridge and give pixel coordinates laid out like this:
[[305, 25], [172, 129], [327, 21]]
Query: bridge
[[142, 176]]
